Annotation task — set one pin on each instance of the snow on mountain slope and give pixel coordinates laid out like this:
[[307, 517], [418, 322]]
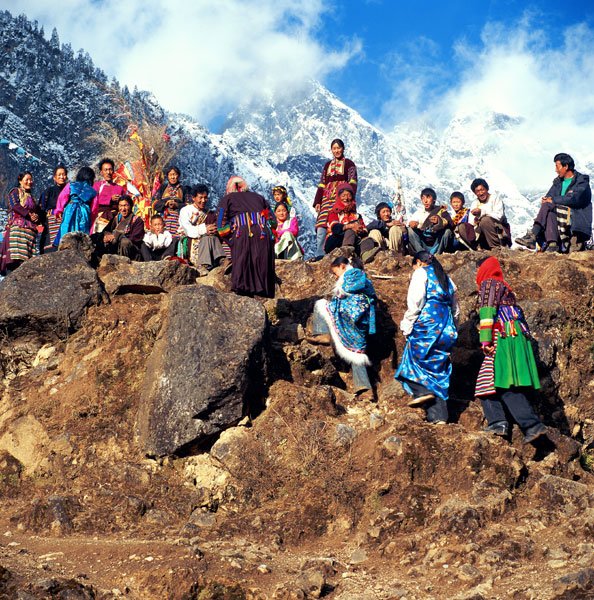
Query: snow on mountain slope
[[51, 99]]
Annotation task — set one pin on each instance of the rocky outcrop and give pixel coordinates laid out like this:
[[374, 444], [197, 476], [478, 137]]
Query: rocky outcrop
[[205, 366], [48, 295], [120, 275]]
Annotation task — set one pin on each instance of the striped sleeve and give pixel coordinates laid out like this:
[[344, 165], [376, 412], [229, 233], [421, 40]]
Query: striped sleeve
[[487, 318]]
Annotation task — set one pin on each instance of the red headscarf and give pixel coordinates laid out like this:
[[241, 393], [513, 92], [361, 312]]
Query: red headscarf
[[490, 269]]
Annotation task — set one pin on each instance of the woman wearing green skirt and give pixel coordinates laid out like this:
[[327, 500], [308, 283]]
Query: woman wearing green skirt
[[508, 368]]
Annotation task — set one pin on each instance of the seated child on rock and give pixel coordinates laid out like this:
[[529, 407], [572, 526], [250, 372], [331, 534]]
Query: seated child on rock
[[157, 243]]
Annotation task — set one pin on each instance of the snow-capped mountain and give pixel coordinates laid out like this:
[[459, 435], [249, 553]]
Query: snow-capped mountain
[[51, 100]]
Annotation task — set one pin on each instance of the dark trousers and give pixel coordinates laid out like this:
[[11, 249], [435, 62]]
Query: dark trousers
[[509, 402], [545, 228], [436, 410], [492, 233], [122, 246], [149, 255], [348, 238]]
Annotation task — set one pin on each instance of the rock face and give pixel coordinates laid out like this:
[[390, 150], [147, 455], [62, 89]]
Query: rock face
[[120, 275], [48, 295], [205, 366]]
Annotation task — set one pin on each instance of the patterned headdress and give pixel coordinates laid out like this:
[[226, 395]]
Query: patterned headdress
[[286, 200]]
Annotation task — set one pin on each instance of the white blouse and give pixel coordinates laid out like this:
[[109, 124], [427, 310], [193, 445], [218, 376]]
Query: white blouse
[[416, 298]]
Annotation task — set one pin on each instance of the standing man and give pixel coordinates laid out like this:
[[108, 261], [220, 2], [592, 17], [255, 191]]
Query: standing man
[[565, 211], [490, 221], [430, 227], [101, 210]]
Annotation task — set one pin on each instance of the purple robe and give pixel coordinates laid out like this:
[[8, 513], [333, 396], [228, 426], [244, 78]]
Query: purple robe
[[243, 221]]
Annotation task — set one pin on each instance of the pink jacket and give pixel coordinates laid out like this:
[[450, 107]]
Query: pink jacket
[[290, 225]]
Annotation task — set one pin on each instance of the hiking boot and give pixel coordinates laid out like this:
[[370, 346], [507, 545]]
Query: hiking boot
[[421, 399], [534, 432], [369, 255], [500, 429], [528, 241], [552, 247]]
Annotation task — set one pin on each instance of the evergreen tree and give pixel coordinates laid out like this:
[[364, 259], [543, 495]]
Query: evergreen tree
[[55, 40]]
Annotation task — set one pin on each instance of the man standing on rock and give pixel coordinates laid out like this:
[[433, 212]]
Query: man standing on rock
[[565, 211], [490, 222], [106, 189]]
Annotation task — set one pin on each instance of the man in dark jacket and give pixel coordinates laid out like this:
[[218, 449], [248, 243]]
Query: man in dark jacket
[[565, 211], [430, 227], [123, 234]]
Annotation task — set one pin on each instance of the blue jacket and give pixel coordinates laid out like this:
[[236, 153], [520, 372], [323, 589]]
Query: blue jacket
[[579, 199]]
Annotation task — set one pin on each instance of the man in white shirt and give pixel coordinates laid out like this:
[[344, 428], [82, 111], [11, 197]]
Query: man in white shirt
[[199, 225], [490, 221]]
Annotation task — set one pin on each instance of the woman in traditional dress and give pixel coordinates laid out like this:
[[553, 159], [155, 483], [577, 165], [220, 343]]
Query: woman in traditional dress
[[430, 330], [348, 319], [287, 227], [509, 369], [74, 210], [48, 202], [24, 222], [243, 219], [171, 197], [337, 170]]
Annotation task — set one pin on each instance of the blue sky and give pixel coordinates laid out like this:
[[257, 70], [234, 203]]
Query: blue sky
[[390, 60], [405, 39]]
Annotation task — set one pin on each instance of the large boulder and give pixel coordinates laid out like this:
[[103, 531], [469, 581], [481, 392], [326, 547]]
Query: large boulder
[[48, 295], [205, 365], [120, 275]]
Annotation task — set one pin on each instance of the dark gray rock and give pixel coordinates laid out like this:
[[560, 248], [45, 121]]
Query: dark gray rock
[[48, 295], [206, 364], [80, 242], [120, 275]]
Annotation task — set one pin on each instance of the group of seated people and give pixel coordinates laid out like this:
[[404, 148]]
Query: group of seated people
[[565, 214], [483, 225], [180, 226]]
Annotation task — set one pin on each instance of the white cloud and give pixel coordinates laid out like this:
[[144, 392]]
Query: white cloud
[[543, 77], [202, 57]]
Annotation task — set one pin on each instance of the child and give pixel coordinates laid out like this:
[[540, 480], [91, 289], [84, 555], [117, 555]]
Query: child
[[465, 237], [158, 243]]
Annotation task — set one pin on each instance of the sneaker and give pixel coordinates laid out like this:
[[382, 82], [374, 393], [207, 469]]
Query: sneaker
[[534, 432], [528, 241], [500, 429], [421, 400], [552, 247], [438, 422]]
